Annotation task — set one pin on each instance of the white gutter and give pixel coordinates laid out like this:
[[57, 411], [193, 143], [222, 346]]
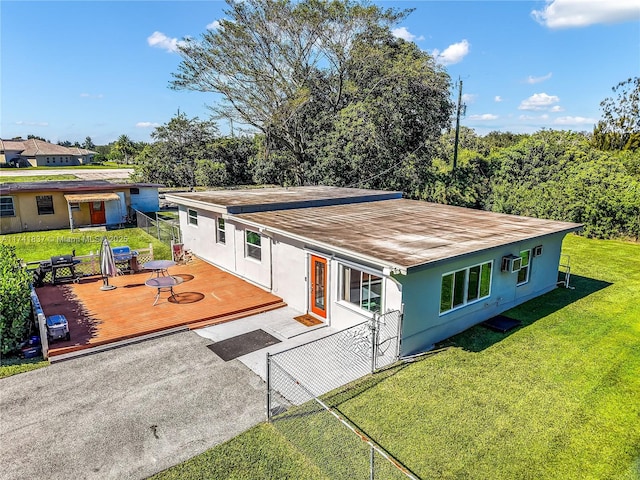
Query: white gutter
[[189, 202]]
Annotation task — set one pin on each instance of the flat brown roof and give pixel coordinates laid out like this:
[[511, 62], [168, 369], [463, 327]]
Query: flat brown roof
[[405, 233], [68, 186], [261, 199]]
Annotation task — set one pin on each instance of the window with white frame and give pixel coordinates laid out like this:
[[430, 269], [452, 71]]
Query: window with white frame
[[7, 208], [220, 232], [253, 245], [523, 273], [361, 289], [465, 286], [44, 204], [192, 217], [74, 206]]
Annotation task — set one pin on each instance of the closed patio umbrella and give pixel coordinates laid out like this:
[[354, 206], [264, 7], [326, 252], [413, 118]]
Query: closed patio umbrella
[[107, 264]]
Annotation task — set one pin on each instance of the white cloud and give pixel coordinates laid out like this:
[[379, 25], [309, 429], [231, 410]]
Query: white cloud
[[574, 120], [469, 97], [91, 95], [147, 125], [544, 116], [531, 80], [538, 101], [484, 116], [215, 25], [497, 98], [581, 13], [160, 40], [32, 124], [405, 34], [556, 108], [454, 53]]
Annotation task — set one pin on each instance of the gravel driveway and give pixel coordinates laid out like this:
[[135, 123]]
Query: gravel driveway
[[125, 413]]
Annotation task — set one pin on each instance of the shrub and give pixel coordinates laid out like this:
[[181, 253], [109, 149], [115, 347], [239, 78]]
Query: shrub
[[15, 300]]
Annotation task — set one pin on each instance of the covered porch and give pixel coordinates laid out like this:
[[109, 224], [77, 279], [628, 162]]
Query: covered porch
[[100, 208]]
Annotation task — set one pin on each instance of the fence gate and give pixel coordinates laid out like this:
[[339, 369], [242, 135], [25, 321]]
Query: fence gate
[[387, 332], [298, 380], [165, 231]]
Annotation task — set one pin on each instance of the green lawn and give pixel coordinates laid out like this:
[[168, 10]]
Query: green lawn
[[12, 365], [558, 398], [33, 246], [81, 167], [35, 178]]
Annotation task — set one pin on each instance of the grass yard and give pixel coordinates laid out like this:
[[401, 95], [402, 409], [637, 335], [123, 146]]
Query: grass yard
[[12, 365], [34, 246], [557, 398], [35, 178]]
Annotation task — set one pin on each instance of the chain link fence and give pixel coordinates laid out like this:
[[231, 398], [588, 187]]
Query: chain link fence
[[300, 407], [166, 231]]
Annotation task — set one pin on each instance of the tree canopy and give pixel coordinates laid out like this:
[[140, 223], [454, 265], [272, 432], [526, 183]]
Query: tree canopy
[[304, 72], [619, 128]]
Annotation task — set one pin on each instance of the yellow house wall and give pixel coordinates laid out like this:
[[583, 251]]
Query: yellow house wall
[[26, 217]]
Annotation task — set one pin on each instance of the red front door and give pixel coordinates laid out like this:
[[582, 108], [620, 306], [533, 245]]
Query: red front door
[[97, 213], [319, 286]]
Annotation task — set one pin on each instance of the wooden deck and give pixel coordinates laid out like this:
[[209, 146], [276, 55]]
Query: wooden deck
[[206, 296]]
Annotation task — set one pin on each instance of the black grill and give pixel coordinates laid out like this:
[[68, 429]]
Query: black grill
[[62, 260], [62, 269]]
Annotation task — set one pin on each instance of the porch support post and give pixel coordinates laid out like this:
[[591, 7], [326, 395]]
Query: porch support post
[[70, 216]]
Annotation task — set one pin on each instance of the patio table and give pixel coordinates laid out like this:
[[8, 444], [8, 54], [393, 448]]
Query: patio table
[[163, 284], [159, 267]]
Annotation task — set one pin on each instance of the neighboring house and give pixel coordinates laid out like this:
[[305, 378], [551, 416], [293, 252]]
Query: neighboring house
[[341, 254], [38, 153], [52, 205]]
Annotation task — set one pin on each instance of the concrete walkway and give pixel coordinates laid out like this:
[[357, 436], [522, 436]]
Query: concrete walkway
[[278, 323], [126, 413]]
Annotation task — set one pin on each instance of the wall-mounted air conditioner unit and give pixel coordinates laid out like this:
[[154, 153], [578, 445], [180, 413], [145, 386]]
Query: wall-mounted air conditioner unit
[[511, 263], [537, 251]]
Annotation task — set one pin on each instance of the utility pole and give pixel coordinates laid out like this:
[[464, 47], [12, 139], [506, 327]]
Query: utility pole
[[455, 146]]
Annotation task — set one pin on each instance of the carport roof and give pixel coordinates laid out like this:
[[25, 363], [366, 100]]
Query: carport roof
[[403, 234]]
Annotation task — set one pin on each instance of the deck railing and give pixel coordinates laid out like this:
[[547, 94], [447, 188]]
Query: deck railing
[[89, 265]]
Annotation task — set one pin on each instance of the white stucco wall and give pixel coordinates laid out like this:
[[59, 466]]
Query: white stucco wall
[[290, 272], [115, 210], [146, 200]]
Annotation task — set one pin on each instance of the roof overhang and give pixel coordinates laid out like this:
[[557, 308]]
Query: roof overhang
[[91, 197]]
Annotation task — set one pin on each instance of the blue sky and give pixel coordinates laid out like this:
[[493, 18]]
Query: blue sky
[[102, 69]]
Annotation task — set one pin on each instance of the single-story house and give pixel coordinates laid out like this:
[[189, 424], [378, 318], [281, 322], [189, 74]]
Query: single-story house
[[38, 153], [341, 254], [32, 206]]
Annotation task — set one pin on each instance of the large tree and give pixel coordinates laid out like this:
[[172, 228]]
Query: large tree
[[123, 150], [619, 128], [288, 70], [396, 105], [174, 155]]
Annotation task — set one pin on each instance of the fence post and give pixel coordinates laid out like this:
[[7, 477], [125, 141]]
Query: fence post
[[374, 342], [151, 250], [268, 388], [372, 468], [158, 226]]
